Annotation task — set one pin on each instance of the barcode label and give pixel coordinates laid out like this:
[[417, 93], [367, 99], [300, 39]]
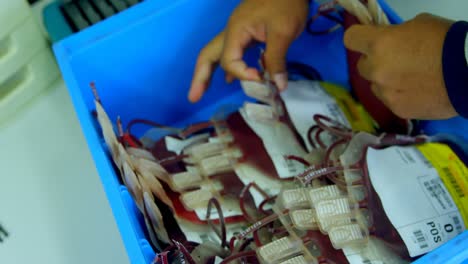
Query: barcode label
[[439, 195], [366, 261], [453, 182], [420, 239], [428, 220], [458, 224]]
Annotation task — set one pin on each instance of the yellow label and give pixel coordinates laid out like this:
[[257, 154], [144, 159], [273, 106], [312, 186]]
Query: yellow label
[[357, 116], [452, 171]]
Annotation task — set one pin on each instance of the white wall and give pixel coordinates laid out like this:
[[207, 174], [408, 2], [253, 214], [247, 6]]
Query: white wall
[[453, 9]]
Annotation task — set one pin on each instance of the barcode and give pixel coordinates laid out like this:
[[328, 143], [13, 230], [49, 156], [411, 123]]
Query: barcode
[[366, 261], [420, 239], [453, 182], [457, 223]]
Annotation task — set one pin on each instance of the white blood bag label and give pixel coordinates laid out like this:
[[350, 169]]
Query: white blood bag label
[[304, 99], [358, 257], [204, 234], [248, 174], [229, 210], [374, 252], [177, 145], [415, 196], [279, 141]]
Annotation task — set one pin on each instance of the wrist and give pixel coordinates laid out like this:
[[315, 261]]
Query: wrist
[[455, 66]]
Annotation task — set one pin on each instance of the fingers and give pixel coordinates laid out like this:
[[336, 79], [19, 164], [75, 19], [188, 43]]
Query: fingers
[[361, 38], [377, 91], [229, 78], [277, 45], [392, 100], [235, 42], [206, 63], [364, 68]]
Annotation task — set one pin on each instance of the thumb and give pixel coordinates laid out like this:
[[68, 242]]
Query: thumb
[[277, 45], [361, 38]]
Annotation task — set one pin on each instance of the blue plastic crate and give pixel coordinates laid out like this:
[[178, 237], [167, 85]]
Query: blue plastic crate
[[142, 62]]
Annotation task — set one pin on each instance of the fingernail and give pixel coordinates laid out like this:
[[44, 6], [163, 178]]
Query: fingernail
[[195, 93], [229, 79], [253, 75], [191, 98], [281, 80]]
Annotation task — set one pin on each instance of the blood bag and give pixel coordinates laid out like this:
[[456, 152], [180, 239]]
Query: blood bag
[[371, 210]]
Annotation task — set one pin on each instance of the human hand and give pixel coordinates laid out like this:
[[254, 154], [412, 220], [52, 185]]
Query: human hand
[[404, 65], [275, 22]]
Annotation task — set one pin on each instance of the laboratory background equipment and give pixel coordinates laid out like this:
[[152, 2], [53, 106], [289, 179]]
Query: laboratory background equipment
[[63, 18], [25, 69]]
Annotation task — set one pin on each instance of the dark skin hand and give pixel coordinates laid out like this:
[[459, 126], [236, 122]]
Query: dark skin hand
[[403, 62], [404, 65], [274, 22]]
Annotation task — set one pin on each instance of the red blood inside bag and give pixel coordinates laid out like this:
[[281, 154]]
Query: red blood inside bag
[[253, 154], [251, 146], [325, 252]]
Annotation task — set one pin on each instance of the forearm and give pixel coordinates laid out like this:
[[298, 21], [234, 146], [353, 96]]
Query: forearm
[[455, 66]]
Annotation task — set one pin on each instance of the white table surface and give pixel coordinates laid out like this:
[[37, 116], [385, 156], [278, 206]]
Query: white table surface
[[51, 199], [453, 9]]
